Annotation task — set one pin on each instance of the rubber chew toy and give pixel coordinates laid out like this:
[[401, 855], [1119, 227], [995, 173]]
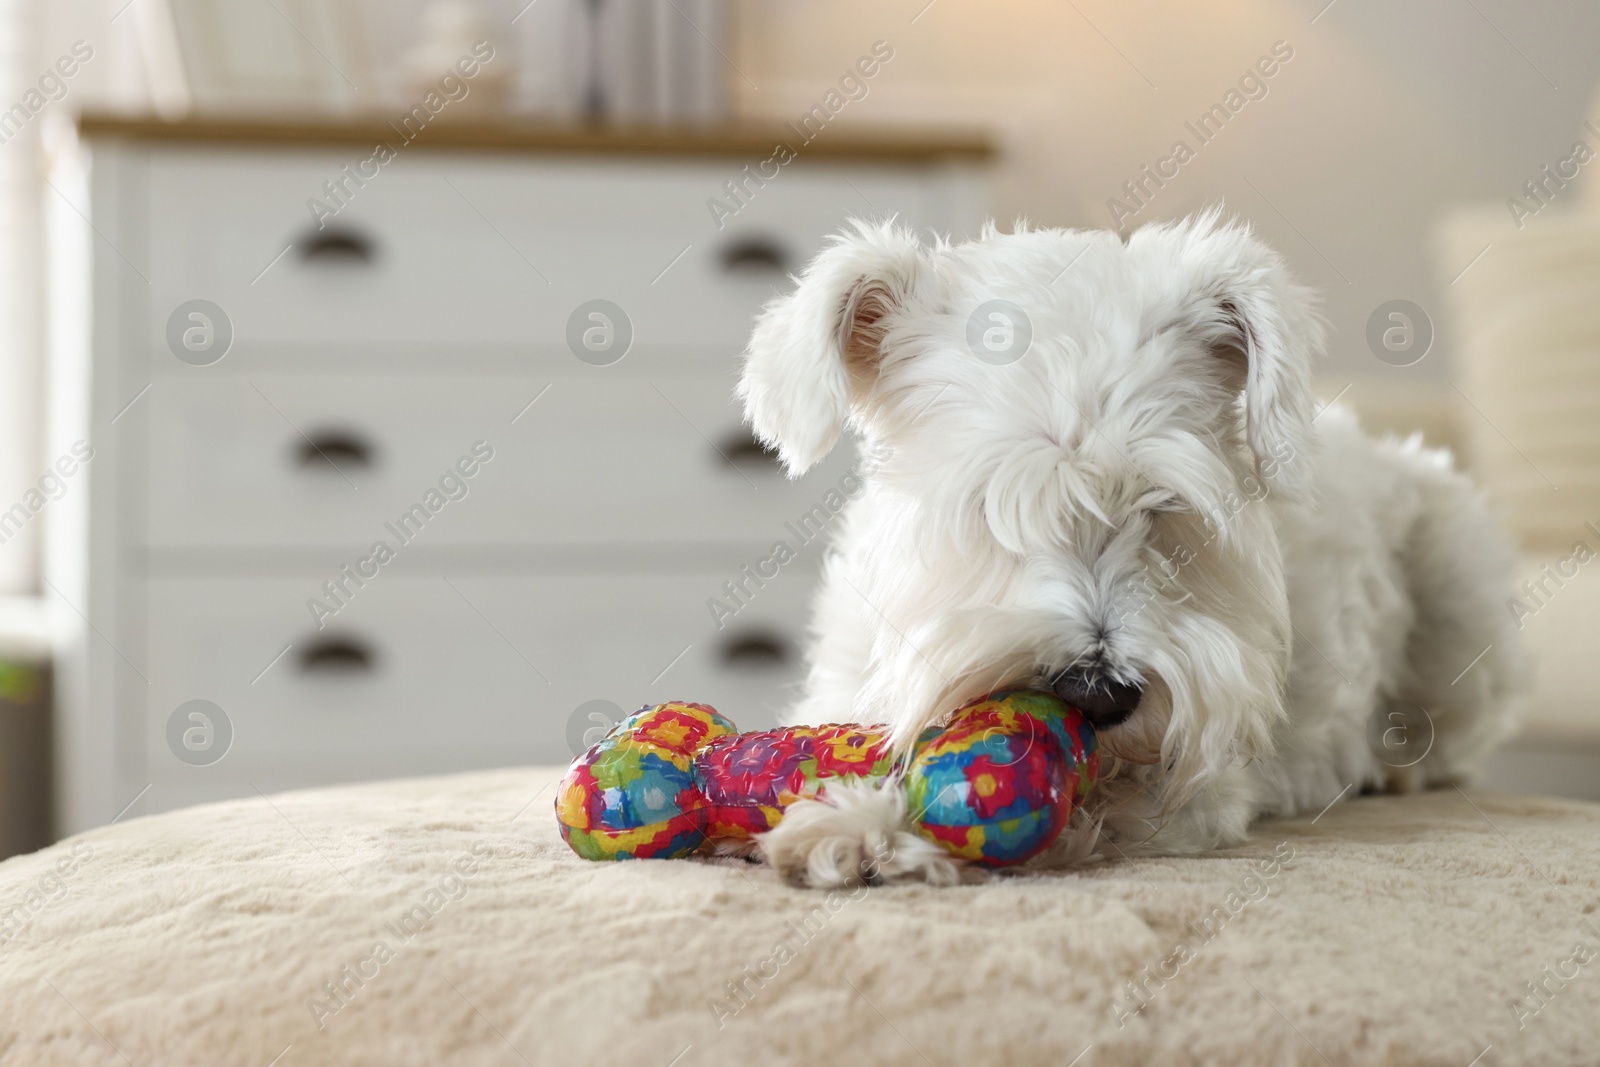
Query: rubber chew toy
[[994, 785]]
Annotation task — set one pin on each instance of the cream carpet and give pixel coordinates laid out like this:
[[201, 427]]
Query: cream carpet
[[443, 921]]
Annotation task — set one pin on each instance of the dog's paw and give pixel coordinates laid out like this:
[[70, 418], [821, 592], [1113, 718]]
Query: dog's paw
[[732, 848], [858, 835]]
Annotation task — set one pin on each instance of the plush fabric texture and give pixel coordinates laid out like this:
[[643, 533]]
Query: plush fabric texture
[[1391, 930]]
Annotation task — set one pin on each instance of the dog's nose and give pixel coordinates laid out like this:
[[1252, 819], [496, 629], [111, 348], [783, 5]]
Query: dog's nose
[[1103, 702]]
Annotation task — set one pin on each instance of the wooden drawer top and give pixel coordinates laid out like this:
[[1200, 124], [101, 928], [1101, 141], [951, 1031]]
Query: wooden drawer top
[[744, 140]]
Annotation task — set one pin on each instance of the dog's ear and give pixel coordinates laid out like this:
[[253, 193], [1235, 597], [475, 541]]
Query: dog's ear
[[1262, 327], [816, 352]]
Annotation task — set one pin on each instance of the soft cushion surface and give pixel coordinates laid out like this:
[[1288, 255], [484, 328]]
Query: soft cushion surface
[[443, 921]]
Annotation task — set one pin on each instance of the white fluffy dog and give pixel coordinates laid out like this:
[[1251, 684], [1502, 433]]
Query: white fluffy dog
[[1260, 609]]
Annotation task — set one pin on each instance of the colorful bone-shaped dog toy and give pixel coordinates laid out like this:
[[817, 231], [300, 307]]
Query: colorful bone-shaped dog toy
[[994, 785]]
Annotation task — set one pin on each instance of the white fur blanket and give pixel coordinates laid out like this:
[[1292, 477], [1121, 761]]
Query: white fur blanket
[[443, 921]]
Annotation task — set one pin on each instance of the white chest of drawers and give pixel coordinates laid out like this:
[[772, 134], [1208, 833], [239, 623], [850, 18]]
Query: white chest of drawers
[[222, 544]]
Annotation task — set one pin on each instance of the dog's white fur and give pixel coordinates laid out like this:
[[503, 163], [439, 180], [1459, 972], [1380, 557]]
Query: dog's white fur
[[1149, 488]]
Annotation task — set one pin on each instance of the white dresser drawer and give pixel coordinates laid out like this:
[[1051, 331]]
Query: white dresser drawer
[[239, 463], [437, 302], [492, 249], [432, 674]]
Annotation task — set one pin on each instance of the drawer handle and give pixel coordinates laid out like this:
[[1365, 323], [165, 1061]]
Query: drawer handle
[[755, 255], [338, 248], [741, 449], [341, 448], [337, 655], [755, 650]]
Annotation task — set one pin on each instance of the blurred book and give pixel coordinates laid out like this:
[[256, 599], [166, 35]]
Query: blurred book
[[658, 62], [627, 62]]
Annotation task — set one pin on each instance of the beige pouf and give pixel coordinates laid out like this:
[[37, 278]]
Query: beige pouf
[[443, 921]]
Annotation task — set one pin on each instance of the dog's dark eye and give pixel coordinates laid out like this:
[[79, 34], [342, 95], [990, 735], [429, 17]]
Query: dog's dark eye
[[1161, 502]]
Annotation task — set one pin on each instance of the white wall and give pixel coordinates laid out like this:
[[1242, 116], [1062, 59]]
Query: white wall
[[1388, 113]]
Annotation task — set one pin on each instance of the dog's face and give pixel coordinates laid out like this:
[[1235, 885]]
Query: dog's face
[[1076, 451]]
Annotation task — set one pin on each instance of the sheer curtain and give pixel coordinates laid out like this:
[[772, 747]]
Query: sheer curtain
[[21, 292], [34, 36]]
